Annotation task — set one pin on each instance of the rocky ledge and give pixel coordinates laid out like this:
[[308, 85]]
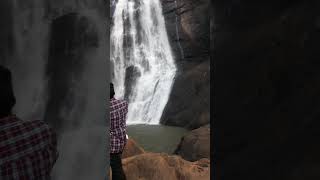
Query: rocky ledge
[[159, 166], [140, 165]]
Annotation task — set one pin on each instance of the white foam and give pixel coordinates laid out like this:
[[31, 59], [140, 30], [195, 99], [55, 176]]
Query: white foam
[[149, 52]]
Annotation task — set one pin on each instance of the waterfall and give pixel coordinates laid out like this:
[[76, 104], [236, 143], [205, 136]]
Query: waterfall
[[143, 64]]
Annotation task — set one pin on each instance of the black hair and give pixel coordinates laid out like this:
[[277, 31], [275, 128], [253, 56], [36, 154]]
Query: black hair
[[112, 93], [7, 99]]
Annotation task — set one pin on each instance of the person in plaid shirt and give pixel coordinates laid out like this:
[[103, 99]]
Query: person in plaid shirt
[[28, 149], [118, 140]]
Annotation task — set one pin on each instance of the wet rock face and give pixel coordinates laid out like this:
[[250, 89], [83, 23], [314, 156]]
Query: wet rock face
[[188, 29], [195, 145], [267, 90], [132, 74], [187, 24], [189, 103]]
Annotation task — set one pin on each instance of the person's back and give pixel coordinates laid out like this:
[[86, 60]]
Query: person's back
[[118, 140], [118, 112], [28, 149]]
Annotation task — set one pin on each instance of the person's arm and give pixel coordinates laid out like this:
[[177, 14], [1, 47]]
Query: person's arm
[[52, 146], [49, 138], [124, 123]]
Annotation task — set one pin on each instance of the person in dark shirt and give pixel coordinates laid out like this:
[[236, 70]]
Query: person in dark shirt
[[28, 149], [118, 140]]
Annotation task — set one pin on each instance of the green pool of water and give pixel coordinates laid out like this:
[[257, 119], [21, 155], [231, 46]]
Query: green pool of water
[[156, 138]]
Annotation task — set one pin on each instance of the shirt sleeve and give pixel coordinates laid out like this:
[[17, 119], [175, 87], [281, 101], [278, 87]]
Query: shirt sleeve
[[52, 146], [48, 137], [125, 112]]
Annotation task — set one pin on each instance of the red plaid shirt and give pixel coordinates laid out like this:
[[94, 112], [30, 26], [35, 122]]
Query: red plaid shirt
[[27, 149], [118, 113]]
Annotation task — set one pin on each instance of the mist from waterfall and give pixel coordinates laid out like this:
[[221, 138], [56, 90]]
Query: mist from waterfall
[[143, 64], [84, 141], [27, 63]]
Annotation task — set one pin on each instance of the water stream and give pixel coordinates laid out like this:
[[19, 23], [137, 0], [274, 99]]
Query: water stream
[[142, 61]]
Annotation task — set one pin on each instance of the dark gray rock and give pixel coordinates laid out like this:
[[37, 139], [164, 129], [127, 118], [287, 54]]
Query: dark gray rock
[[188, 29], [189, 103], [195, 145]]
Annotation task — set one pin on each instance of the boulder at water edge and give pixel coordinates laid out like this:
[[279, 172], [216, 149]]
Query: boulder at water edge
[[195, 145]]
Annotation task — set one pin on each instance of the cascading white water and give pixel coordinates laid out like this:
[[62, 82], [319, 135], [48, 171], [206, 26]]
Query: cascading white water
[[139, 41]]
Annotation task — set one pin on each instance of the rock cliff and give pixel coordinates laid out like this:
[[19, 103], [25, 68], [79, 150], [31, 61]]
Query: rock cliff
[[188, 26]]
